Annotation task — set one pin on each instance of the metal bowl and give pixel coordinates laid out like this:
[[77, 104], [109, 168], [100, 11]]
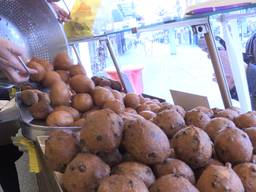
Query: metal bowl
[[32, 25]]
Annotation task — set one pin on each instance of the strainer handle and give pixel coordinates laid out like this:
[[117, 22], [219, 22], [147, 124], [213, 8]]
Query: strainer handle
[[65, 4]]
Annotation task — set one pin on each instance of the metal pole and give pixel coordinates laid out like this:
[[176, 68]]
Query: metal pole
[[65, 4], [76, 53], [218, 69], [114, 59]]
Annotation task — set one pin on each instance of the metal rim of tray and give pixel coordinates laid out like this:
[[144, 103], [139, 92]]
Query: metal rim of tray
[[47, 128]]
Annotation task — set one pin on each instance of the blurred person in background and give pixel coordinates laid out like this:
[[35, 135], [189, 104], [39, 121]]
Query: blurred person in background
[[250, 59], [250, 66], [222, 49]]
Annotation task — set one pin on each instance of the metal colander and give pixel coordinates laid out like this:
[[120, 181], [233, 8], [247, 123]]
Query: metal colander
[[32, 25]]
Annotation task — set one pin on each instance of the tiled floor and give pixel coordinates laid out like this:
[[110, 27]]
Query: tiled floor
[[27, 180]]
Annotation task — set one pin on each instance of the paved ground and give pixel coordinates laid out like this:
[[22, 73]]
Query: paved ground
[[189, 70]]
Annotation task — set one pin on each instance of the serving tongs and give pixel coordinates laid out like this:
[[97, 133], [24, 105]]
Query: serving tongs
[[23, 64]]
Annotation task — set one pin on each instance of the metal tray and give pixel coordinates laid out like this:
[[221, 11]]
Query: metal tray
[[33, 128]]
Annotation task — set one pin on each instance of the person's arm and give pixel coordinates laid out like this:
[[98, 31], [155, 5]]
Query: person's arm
[[9, 63], [63, 16]]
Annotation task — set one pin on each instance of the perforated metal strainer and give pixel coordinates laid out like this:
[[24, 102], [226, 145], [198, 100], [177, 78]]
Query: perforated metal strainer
[[32, 25]]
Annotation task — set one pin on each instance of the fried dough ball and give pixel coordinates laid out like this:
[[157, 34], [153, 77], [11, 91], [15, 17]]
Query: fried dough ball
[[50, 78], [47, 66], [170, 122], [60, 94], [81, 84], [98, 138], [172, 183], [41, 109], [76, 70], [227, 113], [193, 146], [143, 107], [176, 108], [205, 110], [246, 120], [111, 158], [251, 132], [132, 100], [234, 146], [136, 169], [60, 119], [118, 95], [151, 146], [216, 125], [29, 97], [122, 183], [79, 123], [60, 149], [75, 113], [62, 61], [219, 179], [130, 110], [84, 173], [175, 167], [101, 95], [64, 75], [247, 172], [197, 118], [148, 115], [115, 105], [39, 76], [82, 102]]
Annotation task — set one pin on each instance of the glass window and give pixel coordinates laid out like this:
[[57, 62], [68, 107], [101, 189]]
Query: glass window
[[156, 62], [236, 53], [132, 13]]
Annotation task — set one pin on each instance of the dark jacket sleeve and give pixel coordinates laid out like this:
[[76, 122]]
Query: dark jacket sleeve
[[251, 79]]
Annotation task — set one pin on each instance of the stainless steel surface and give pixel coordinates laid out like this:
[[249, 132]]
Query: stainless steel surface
[[218, 69], [32, 25], [31, 128]]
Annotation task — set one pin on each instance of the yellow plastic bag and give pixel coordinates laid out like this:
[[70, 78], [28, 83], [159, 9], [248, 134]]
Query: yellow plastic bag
[[86, 18]]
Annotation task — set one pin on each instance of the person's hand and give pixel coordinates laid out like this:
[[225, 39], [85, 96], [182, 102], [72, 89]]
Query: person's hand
[[63, 16], [9, 63]]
